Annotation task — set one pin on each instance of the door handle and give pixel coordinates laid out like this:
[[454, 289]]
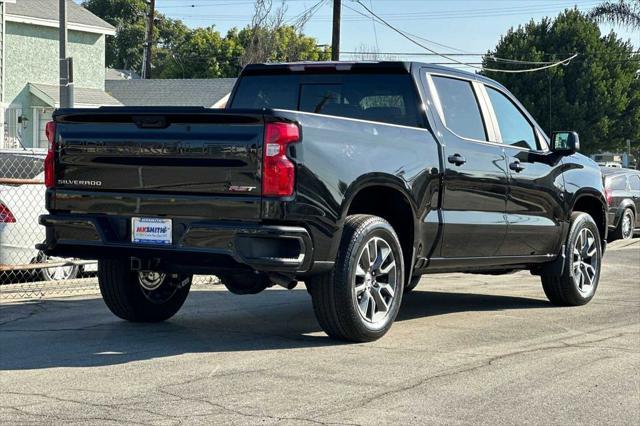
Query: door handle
[[456, 159], [516, 166]]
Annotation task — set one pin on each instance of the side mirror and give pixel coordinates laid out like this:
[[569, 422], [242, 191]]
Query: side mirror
[[565, 142]]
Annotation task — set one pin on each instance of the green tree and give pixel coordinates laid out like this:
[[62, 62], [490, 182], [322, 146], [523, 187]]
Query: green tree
[[623, 12], [596, 94], [181, 52], [123, 51]]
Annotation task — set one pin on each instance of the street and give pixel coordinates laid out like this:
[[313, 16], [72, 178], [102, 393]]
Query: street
[[464, 349]]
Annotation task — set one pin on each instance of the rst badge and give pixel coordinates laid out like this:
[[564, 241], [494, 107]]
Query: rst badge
[[240, 188]]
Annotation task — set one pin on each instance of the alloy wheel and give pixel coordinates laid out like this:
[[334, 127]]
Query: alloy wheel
[[627, 229], [375, 280], [585, 264]]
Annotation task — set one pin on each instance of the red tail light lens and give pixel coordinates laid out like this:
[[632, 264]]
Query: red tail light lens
[[49, 161], [5, 215], [609, 195], [278, 172]]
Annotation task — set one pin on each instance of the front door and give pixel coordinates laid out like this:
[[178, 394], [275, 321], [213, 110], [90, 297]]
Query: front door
[[535, 183], [475, 177]]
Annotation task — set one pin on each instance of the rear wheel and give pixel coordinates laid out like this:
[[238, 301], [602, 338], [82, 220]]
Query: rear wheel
[[578, 281], [624, 230], [359, 299], [145, 296]]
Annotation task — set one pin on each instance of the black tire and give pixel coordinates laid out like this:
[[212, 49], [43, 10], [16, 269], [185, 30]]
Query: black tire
[[245, 283], [125, 296], [565, 289], [412, 284], [337, 304], [620, 233]]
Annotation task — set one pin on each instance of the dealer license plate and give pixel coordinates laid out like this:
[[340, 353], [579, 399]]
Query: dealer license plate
[[147, 230]]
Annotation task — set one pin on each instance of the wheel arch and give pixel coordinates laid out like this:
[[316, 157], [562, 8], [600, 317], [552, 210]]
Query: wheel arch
[[388, 197], [594, 204]]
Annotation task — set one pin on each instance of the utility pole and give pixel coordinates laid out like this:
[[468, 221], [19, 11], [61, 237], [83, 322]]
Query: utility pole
[[66, 64], [146, 58], [335, 37]]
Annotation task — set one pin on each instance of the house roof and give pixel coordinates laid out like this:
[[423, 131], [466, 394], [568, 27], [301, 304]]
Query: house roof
[[50, 94], [170, 92], [45, 13], [116, 74]]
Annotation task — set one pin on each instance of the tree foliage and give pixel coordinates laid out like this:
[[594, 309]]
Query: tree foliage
[[181, 52], [622, 12], [596, 94]]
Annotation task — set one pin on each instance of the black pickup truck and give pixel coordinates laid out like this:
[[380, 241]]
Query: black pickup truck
[[356, 178]]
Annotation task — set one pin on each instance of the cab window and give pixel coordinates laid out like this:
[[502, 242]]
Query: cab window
[[460, 109], [514, 127]]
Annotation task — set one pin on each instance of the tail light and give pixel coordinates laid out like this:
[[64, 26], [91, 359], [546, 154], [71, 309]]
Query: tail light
[[5, 215], [278, 172], [49, 161], [609, 196]]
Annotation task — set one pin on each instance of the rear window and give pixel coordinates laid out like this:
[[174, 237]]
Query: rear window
[[386, 98], [617, 183]]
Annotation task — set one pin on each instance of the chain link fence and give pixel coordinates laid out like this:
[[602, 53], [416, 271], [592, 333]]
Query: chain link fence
[[25, 272]]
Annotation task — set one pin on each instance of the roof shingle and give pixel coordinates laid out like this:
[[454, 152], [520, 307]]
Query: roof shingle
[[48, 9], [170, 92]]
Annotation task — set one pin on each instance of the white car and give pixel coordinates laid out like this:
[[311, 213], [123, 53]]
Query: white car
[[20, 206], [610, 164]]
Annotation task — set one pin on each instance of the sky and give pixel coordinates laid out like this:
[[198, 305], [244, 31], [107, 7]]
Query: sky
[[469, 26]]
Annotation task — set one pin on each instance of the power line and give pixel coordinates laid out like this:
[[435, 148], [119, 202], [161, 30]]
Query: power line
[[563, 62]]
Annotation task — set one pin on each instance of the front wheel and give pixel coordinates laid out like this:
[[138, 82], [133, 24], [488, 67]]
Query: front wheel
[[578, 281], [57, 273], [359, 299], [144, 296]]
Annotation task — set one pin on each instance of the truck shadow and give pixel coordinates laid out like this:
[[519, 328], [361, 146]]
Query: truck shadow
[[83, 333]]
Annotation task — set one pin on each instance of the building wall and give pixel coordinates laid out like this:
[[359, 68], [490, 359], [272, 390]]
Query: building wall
[[31, 56]]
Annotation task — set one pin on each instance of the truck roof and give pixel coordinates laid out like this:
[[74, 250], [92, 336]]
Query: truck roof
[[374, 67]]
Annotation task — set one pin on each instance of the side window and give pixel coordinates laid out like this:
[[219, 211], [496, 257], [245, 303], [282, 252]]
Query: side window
[[634, 182], [460, 109], [514, 126]]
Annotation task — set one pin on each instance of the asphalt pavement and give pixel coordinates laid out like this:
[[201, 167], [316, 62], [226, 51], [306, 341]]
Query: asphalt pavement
[[465, 349]]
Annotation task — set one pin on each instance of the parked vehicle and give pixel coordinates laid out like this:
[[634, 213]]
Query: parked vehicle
[[354, 177], [622, 189], [20, 206], [610, 164]]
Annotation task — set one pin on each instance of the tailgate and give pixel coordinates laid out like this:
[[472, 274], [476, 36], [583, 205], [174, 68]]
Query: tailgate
[[187, 156]]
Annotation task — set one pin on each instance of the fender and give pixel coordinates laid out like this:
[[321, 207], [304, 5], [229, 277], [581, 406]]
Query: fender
[[370, 180]]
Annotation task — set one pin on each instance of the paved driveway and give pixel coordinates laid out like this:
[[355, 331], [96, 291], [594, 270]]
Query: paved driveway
[[465, 349]]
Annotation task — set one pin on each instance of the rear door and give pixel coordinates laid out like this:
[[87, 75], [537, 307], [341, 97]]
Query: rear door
[[535, 183], [475, 177]]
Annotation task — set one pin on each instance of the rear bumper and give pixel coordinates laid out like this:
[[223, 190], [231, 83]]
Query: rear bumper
[[198, 246]]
